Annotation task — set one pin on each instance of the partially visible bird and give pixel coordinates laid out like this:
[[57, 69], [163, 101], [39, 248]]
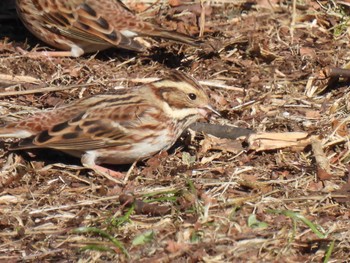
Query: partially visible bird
[[84, 26], [118, 128]]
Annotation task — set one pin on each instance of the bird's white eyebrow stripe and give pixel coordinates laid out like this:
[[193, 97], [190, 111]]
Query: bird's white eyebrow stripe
[[179, 85], [178, 76]]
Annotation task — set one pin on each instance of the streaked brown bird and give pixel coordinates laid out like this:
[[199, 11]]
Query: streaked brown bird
[[118, 128], [85, 26]]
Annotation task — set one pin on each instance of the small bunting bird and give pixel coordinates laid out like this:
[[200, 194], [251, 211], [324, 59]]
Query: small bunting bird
[[118, 128], [77, 27]]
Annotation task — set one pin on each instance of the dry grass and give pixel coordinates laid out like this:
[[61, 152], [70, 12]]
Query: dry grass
[[191, 204]]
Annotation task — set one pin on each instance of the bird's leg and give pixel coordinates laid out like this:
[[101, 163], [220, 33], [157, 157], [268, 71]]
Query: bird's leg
[[88, 161]]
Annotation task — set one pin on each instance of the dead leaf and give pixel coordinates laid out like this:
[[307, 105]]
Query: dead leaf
[[330, 187], [267, 3], [255, 79], [343, 194], [340, 128], [323, 174], [74, 71], [174, 3], [251, 181], [224, 145], [195, 8], [315, 186], [142, 207], [219, 99], [174, 247], [308, 52], [211, 158], [312, 114]]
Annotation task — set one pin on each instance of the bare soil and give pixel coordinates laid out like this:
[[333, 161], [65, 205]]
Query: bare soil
[[266, 66]]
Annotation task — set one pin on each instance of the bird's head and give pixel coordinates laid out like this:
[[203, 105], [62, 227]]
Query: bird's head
[[183, 98]]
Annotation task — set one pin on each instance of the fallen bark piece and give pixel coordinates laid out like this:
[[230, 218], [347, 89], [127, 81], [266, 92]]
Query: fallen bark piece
[[220, 131], [274, 140]]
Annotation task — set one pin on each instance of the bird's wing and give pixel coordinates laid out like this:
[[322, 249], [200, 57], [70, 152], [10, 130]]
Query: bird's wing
[[90, 21], [98, 127]]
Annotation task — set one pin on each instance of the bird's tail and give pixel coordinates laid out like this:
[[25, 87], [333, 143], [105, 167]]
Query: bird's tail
[[175, 36]]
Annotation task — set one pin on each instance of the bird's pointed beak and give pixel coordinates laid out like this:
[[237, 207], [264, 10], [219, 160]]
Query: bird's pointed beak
[[208, 111], [213, 110]]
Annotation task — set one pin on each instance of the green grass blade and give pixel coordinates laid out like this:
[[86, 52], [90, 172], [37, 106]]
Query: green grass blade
[[94, 230]]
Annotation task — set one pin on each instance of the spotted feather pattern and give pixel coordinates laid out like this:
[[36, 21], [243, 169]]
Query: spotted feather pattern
[[91, 25], [119, 127]]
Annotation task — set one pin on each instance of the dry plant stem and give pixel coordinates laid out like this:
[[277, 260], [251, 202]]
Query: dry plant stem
[[44, 54], [126, 178], [292, 25], [42, 255], [42, 90], [213, 84], [16, 79], [111, 175], [88, 202], [220, 131], [48, 54], [202, 19]]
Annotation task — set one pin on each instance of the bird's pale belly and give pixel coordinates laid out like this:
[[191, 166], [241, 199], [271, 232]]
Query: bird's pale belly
[[130, 153]]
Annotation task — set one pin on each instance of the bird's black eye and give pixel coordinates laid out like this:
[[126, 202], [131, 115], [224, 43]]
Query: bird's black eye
[[192, 96]]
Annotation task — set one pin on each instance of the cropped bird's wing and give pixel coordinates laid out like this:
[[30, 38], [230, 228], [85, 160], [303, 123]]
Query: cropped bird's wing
[[89, 21], [103, 21]]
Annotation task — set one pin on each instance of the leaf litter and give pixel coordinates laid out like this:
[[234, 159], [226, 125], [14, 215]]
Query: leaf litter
[[270, 67]]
